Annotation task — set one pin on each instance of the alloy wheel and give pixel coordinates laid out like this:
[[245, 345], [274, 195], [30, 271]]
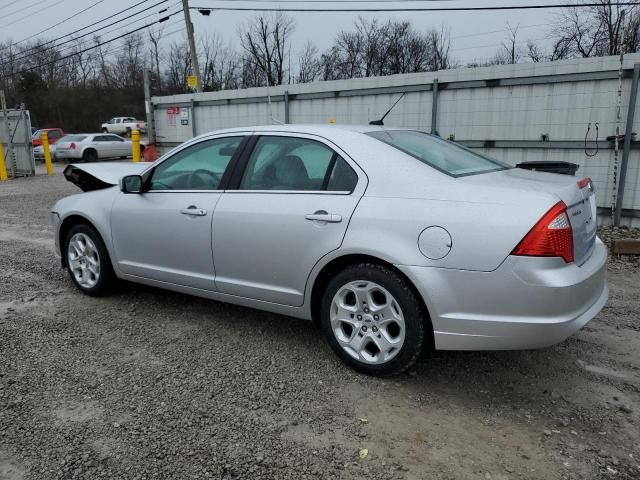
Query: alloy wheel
[[368, 322], [83, 260]]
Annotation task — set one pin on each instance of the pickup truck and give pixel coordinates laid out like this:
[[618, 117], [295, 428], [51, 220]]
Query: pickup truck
[[54, 134], [123, 126]]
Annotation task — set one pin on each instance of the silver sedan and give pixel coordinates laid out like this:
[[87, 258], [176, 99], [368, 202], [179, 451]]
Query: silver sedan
[[391, 240]]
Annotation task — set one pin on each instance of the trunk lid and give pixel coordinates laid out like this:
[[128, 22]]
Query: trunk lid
[[577, 194], [101, 175]]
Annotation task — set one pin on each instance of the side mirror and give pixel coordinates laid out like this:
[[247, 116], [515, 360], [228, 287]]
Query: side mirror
[[131, 184]]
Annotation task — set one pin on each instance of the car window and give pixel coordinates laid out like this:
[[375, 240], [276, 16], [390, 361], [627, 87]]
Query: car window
[[114, 138], [53, 134], [198, 167], [100, 138], [442, 155], [291, 163], [73, 138]]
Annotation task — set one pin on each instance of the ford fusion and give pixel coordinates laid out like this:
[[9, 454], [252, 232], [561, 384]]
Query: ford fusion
[[392, 241]]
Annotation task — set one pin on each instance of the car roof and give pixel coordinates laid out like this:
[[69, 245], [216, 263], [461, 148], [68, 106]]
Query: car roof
[[321, 129]]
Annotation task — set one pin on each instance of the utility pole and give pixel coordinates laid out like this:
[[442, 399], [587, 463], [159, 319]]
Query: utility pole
[[192, 45], [148, 107]]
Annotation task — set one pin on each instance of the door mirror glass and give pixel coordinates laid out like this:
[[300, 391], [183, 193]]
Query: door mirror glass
[[131, 184]]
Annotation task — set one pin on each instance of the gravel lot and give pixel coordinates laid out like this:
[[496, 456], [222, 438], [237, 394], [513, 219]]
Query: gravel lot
[[151, 384]]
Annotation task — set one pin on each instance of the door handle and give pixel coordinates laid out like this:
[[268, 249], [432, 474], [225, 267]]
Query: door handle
[[193, 210], [322, 216]]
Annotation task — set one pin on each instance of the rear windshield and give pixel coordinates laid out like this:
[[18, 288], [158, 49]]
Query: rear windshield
[[440, 154], [73, 138]]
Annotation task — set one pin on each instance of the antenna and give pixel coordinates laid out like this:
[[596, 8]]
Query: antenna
[[381, 121]]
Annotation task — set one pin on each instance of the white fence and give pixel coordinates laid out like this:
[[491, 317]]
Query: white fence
[[516, 113]]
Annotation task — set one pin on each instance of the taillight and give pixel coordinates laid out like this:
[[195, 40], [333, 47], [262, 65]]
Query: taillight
[[552, 236], [72, 146], [137, 125]]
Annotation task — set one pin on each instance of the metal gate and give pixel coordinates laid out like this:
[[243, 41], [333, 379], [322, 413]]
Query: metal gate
[[15, 136]]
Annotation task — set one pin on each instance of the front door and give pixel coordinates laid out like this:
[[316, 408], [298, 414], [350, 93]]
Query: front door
[[164, 234], [290, 207]]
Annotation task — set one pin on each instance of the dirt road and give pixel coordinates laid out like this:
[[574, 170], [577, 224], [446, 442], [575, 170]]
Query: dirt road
[[150, 384]]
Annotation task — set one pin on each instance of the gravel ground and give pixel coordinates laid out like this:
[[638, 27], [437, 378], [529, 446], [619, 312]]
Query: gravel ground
[[150, 384]]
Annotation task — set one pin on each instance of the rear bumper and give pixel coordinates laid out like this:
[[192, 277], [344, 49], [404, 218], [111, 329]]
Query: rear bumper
[[526, 303]]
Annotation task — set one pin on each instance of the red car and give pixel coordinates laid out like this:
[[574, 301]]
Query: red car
[[54, 135]]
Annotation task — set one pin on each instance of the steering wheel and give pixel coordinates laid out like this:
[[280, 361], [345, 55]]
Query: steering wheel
[[195, 181]]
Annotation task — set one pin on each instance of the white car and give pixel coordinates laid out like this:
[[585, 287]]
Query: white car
[[123, 126], [91, 147], [38, 152]]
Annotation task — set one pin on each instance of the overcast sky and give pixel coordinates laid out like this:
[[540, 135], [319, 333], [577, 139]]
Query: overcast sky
[[475, 35]]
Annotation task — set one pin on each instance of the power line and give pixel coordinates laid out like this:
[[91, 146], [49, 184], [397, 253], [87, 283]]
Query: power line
[[30, 15], [410, 9], [116, 49], [23, 8], [59, 23], [94, 23], [39, 49], [79, 52]]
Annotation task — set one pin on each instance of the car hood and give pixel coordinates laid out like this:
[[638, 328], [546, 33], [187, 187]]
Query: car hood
[[101, 175]]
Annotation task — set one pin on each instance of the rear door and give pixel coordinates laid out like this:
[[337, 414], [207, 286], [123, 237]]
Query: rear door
[[102, 145], [289, 204]]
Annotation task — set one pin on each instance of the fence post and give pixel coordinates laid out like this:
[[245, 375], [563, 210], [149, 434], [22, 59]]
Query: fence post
[[286, 106], [631, 111], [47, 152], [194, 129], [135, 145], [434, 108], [3, 165]]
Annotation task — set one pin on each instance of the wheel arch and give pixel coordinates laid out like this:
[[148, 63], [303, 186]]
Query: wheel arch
[[88, 148], [65, 227], [339, 263]]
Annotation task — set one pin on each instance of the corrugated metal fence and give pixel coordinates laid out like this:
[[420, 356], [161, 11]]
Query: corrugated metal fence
[[516, 113]]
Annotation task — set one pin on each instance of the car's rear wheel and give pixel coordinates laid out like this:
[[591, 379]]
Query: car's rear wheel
[[373, 319], [104, 130], [88, 261], [90, 155]]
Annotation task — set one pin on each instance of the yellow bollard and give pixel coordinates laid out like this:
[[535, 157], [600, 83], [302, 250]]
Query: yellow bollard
[[47, 153], [3, 165], [135, 145]]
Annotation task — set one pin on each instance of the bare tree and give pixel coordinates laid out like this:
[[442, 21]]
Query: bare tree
[[510, 52], [265, 41], [439, 42], [154, 51], [606, 29], [309, 66]]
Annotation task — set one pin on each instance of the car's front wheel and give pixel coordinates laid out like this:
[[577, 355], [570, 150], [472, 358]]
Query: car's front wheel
[[88, 261], [373, 319]]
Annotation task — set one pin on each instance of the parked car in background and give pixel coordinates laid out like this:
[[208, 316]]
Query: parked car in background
[[91, 147], [124, 126], [391, 240], [54, 135], [38, 152]]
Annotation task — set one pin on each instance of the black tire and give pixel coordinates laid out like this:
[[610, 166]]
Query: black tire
[[90, 155], [128, 132], [106, 279], [414, 322], [105, 130]]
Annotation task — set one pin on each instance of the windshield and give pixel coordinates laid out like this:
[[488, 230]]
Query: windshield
[[73, 138], [36, 134], [442, 155]]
